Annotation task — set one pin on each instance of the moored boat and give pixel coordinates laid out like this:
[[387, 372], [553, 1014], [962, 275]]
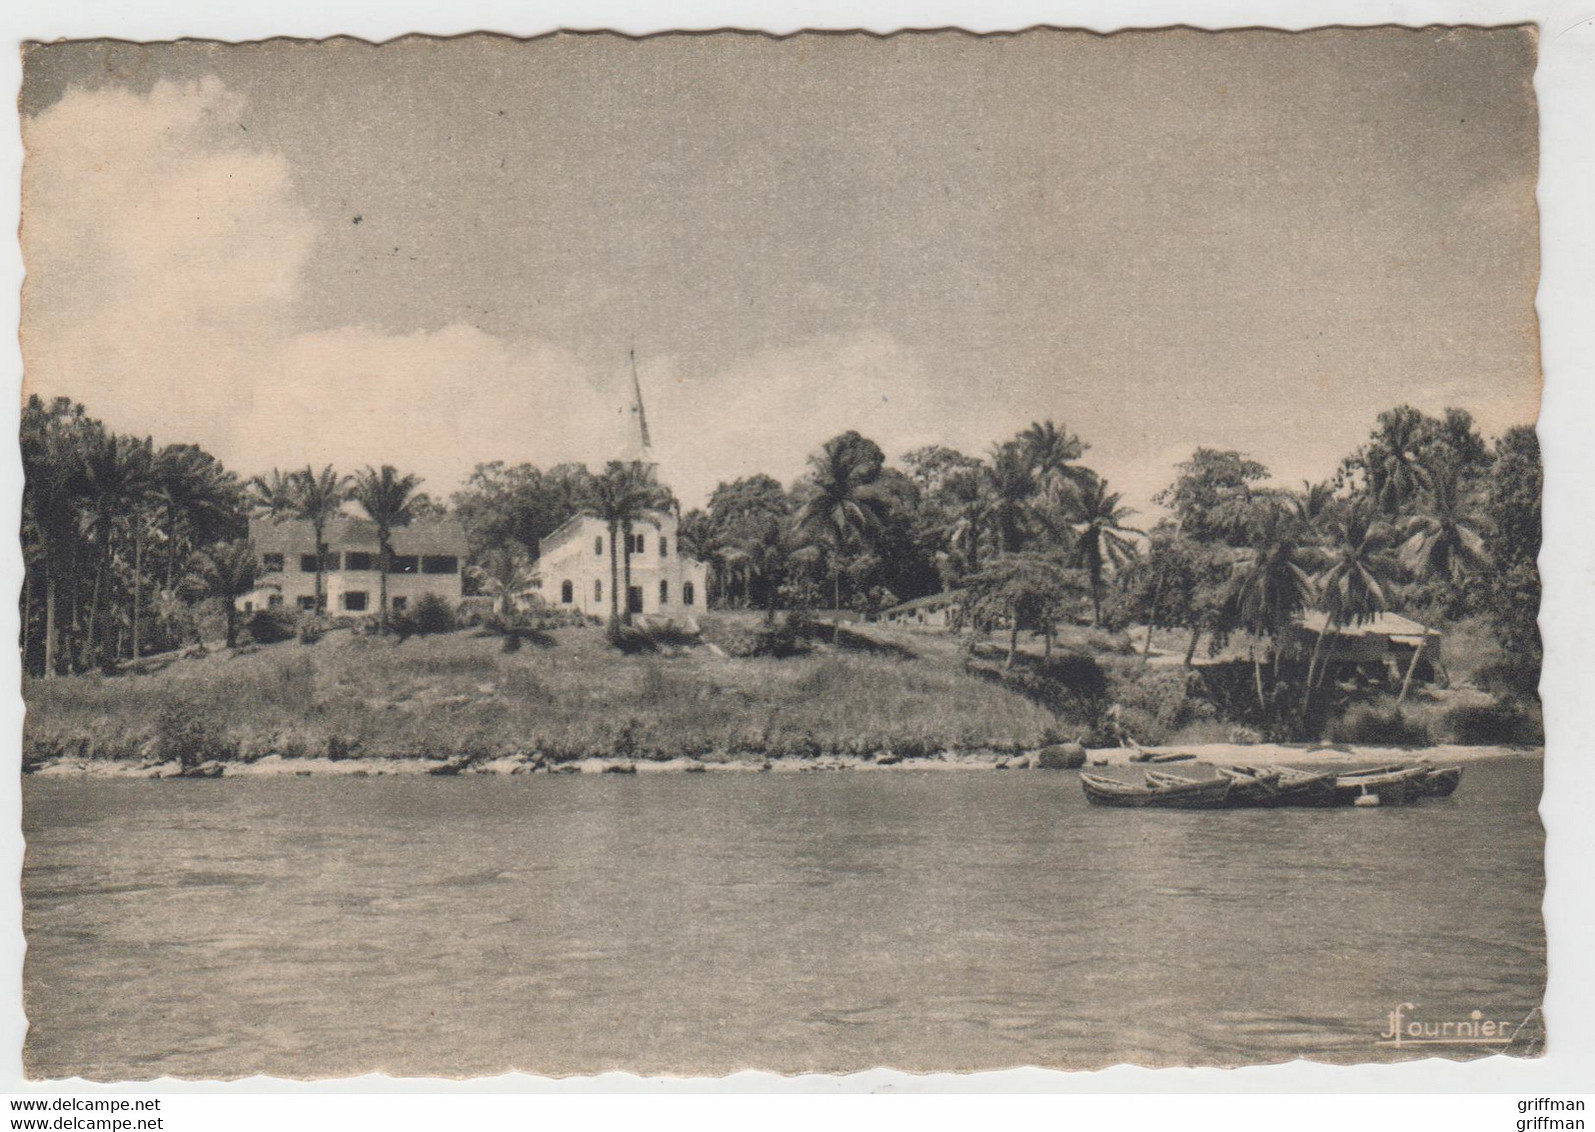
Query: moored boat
[[1253, 786], [1181, 793], [1441, 782], [1299, 787], [1390, 785]]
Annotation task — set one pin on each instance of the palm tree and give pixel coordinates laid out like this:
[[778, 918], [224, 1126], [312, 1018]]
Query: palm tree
[[503, 573], [228, 571], [1395, 459], [628, 494], [969, 516], [1100, 546], [1268, 584], [116, 481], [53, 445], [1442, 541], [1011, 483], [762, 554], [844, 507], [316, 498], [1354, 586], [1052, 451], [272, 496], [197, 500], [388, 500]]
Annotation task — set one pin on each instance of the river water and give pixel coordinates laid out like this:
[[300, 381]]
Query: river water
[[673, 923]]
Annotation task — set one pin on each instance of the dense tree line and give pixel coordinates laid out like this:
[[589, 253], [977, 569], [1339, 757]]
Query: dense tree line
[[121, 540]]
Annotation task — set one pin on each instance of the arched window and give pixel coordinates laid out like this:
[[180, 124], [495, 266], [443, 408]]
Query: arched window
[[598, 546], [598, 589], [639, 544], [664, 547], [686, 593], [567, 592], [664, 592]]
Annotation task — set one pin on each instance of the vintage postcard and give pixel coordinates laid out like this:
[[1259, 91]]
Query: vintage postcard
[[723, 551]]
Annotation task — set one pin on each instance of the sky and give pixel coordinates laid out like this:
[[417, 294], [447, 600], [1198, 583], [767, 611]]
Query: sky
[[435, 253]]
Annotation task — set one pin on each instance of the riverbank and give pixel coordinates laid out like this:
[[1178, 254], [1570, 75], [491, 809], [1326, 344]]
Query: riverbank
[[565, 701], [276, 766]]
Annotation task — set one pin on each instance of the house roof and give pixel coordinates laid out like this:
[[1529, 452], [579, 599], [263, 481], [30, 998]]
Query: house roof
[[934, 601], [295, 536], [1391, 625]]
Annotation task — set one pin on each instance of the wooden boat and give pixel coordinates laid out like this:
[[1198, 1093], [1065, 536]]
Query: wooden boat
[[1304, 788], [1391, 785], [1181, 793], [1441, 782], [1252, 786]]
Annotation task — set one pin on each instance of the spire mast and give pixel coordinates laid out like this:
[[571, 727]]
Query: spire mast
[[642, 417]]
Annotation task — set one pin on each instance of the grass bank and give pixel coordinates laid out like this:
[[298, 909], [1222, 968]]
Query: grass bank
[[564, 697]]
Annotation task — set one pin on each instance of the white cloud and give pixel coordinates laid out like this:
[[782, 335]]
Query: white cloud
[[164, 257]]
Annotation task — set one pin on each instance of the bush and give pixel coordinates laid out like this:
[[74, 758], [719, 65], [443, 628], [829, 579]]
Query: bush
[[187, 735], [629, 639], [309, 633], [269, 626], [1502, 725], [1380, 728], [433, 614]]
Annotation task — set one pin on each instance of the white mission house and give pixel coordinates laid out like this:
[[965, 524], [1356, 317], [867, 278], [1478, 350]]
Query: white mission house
[[573, 570]]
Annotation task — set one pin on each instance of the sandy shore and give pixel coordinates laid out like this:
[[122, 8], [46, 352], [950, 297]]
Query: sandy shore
[[1227, 753]]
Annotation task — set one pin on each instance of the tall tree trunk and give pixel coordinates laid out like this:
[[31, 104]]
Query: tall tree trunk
[[1412, 665], [138, 584], [171, 549], [384, 559], [27, 611], [625, 558], [614, 573], [1190, 650], [1013, 639], [232, 623], [92, 646], [49, 622], [321, 570], [1312, 668]]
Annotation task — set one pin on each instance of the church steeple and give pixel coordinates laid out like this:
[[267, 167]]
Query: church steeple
[[640, 421], [639, 445]]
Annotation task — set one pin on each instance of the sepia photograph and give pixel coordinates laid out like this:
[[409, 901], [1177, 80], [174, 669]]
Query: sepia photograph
[[717, 552]]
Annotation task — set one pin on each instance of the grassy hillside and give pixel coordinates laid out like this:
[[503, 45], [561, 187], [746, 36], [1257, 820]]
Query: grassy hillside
[[566, 696]]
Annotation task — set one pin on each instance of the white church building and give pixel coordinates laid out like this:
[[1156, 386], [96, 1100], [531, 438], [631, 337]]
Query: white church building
[[573, 562], [573, 570]]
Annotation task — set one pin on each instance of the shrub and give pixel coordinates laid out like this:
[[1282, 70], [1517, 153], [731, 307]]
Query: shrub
[[1155, 701], [1075, 672], [1503, 724], [433, 614], [1380, 728], [269, 626], [309, 633], [512, 643], [1512, 676], [187, 735], [629, 639]]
